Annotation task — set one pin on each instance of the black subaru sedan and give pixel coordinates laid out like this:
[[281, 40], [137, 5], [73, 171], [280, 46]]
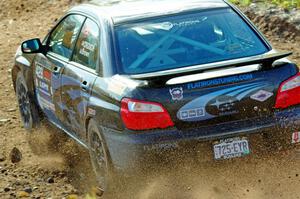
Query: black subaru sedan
[[130, 79]]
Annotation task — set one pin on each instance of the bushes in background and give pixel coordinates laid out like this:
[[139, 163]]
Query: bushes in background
[[282, 3]]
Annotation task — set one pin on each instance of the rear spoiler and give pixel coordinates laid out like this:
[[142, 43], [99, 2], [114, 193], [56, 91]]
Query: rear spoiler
[[265, 60]]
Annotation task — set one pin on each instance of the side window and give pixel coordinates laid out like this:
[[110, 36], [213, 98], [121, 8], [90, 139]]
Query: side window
[[87, 47], [62, 39]]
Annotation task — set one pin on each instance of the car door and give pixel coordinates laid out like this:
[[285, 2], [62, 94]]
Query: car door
[[48, 68], [78, 78]]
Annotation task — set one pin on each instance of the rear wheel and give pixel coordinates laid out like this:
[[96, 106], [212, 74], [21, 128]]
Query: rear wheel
[[99, 157], [28, 110]]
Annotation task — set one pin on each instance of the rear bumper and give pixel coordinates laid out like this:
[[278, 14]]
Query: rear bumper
[[130, 151]]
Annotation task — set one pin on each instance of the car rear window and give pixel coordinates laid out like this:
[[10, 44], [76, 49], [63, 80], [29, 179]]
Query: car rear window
[[184, 40]]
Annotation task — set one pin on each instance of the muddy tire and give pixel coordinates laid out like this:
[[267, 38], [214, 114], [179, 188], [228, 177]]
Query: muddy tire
[[28, 110], [100, 159]]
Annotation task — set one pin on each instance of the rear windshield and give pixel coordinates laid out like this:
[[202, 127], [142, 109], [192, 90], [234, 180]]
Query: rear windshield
[[184, 40]]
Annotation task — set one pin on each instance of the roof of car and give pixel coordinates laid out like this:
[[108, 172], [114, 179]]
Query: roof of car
[[121, 11]]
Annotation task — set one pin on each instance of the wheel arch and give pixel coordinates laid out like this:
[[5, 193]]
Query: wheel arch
[[87, 121], [24, 63], [14, 74]]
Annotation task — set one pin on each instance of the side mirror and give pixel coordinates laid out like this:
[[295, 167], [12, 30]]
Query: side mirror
[[32, 46]]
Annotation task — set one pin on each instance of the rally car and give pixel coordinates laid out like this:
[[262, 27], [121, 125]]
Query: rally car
[[135, 78]]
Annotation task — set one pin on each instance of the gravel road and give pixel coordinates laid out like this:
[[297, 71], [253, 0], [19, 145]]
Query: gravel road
[[46, 172]]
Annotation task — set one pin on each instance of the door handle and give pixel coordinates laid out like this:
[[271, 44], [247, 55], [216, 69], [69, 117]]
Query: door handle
[[84, 85], [56, 69]]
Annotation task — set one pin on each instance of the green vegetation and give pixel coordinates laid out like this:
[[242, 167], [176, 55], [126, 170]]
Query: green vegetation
[[241, 2], [283, 3]]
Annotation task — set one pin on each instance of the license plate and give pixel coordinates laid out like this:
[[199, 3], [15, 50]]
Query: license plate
[[231, 148]]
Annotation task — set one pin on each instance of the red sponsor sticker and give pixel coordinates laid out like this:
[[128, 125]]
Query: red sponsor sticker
[[47, 74], [296, 137]]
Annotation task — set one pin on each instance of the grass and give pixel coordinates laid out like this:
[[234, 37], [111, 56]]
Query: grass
[[289, 4]]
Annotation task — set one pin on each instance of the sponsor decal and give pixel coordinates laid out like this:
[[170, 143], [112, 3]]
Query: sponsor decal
[[42, 72], [44, 92], [192, 113], [176, 93], [43, 62], [43, 80], [47, 75], [87, 48], [296, 137], [261, 96], [220, 81], [44, 86], [234, 48], [183, 24], [220, 103], [163, 146], [46, 104], [91, 111], [39, 71]]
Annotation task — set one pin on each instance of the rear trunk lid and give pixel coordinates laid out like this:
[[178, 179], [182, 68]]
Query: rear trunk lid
[[219, 98], [224, 99]]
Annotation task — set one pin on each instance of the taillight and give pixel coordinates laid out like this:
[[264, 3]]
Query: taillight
[[141, 115], [289, 93]]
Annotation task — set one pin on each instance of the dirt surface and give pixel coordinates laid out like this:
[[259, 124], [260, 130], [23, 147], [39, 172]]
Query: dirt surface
[[52, 166]]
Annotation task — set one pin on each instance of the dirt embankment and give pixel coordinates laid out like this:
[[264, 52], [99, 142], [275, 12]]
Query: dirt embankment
[[46, 172], [281, 27], [43, 172]]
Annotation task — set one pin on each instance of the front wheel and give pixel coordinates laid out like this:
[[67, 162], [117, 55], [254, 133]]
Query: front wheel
[[28, 110], [99, 157]]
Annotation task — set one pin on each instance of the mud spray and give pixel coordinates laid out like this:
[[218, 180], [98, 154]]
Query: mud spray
[[270, 172]]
